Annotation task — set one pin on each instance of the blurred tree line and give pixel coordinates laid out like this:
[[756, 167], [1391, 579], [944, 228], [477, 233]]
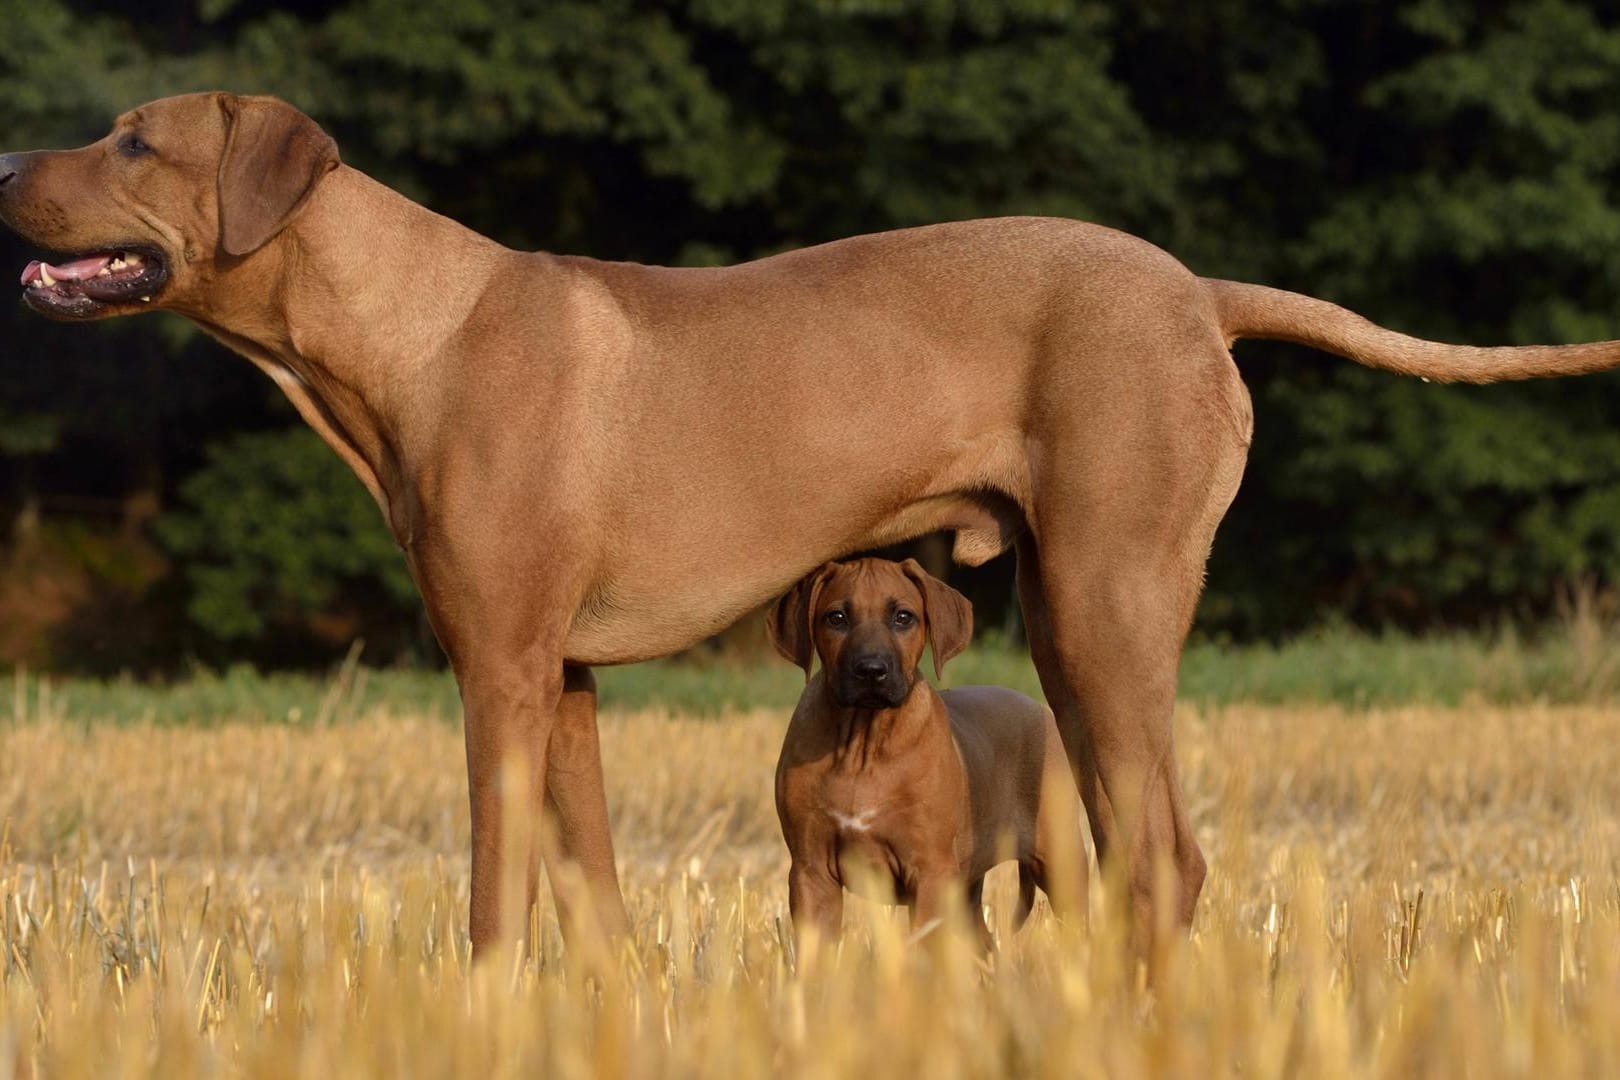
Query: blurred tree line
[[1444, 167]]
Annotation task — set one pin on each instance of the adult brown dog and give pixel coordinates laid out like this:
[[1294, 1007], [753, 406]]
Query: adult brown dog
[[883, 782], [593, 463]]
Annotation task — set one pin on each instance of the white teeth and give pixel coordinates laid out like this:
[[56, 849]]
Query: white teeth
[[134, 260], [104, 272], [116, 264], [45, 276], [146, 299]]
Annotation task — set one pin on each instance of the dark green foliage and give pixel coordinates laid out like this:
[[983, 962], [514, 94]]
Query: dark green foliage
[[1447, 168], [275, 527]]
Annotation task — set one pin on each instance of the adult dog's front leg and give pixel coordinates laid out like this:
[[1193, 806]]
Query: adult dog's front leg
[[577, 801], [511, 712], [530, 718]]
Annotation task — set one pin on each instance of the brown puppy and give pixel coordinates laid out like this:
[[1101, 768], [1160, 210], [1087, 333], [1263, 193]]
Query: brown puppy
[[566, 448], [882, 780]]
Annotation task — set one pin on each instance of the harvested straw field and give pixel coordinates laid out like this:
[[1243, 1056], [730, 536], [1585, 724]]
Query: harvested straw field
[[1412, 891]]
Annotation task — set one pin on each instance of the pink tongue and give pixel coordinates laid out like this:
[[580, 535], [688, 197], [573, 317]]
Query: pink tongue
[[31, 272], [79, 269]]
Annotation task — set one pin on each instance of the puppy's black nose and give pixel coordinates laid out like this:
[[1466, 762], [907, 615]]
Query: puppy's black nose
[[870, 669]]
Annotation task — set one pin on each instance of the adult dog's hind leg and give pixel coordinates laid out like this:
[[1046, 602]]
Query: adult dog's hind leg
[[1055, 685], [1115, 642], [1109, 581]]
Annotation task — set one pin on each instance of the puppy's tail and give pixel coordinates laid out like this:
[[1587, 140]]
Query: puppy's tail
[[1026, 896], [1255, 311]]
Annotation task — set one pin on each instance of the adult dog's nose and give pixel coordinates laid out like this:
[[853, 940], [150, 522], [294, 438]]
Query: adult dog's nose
[[870, 669]]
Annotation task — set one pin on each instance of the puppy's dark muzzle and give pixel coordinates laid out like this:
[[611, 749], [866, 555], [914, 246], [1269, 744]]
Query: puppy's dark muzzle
[[870, 681]]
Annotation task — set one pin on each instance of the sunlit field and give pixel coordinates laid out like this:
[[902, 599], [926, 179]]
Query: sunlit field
[[1421, 890]]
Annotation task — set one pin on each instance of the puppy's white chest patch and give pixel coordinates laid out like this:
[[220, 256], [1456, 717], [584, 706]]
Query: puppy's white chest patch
[[857, 822]]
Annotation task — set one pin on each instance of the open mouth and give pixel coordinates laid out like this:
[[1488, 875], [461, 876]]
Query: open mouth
[[87, 285]]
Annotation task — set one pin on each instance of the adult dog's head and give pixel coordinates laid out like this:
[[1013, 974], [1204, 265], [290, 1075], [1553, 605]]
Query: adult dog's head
[[868, 620], [157, 213]]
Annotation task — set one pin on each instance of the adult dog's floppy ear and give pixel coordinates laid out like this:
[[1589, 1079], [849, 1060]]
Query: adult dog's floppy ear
[[274, 156], [948, 614], [790, 625]]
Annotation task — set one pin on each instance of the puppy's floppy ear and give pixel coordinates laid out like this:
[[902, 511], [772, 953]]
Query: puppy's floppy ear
[[274, 156], [948, 614], [790, 622]]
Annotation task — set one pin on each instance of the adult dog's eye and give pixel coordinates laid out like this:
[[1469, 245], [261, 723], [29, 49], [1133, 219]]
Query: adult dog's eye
[[837, 619], [904, 618], [132, 146]]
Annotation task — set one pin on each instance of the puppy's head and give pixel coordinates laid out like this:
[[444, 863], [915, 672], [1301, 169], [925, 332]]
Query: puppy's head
[[869, 621], [161, 210]]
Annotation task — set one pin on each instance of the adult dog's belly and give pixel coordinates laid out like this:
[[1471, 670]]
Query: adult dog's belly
[[817, 408], [677, 586]]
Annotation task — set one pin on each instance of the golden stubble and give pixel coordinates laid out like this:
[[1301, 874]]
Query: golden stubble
[[1406, 891]]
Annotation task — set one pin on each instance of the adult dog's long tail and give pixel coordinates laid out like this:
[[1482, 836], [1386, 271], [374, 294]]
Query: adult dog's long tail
[[1255, 311]]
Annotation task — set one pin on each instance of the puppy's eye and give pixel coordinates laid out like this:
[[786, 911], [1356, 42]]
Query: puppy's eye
[[132, 146], [904, 618], [837, 619]]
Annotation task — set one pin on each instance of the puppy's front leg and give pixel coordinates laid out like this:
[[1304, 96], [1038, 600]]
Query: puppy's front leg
[[816, 902], [940, 895]]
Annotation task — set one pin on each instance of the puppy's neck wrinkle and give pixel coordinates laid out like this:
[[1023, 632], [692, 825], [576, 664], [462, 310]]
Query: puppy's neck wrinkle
[[863, 738]]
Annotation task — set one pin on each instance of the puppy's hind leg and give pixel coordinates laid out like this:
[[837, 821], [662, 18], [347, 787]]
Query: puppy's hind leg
[[1059, 864], [975, 913], [1028, 878]]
